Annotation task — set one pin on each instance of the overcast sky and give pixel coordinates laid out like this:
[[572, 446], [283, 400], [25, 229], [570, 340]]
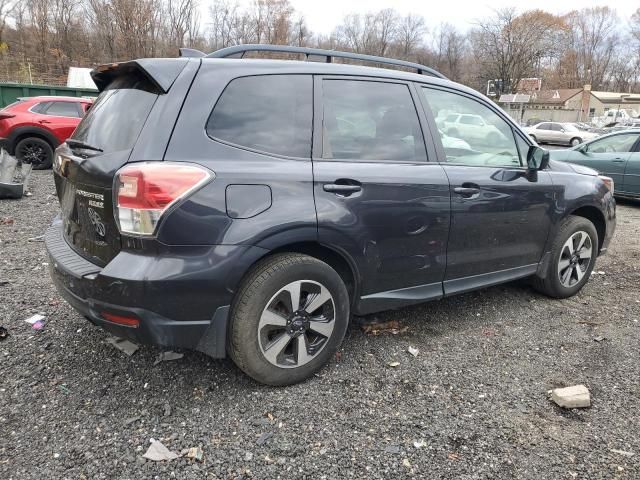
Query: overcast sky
[[323, 15]]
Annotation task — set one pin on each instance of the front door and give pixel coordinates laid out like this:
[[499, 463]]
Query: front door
[[378, 198], [608, 155], [500, 215]]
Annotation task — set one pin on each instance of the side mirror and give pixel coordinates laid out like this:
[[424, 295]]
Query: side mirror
[[537, 158]]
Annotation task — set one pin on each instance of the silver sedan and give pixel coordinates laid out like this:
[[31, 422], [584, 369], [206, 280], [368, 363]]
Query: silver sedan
[[559, 133]]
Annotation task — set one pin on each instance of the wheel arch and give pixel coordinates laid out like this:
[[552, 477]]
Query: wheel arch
[[595, 216], [337, 260], [25, 132]]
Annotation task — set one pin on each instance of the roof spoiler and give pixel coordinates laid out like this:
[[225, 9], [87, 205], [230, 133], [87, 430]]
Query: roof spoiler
[[162, 72], [190, 53]]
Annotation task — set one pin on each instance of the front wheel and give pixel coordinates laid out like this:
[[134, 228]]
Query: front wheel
[[573, 256], [288, 319], [36, 151]]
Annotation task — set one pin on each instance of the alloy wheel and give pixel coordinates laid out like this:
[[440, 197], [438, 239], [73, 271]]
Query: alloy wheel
[[33, 153], [296, 324], [575, 259]]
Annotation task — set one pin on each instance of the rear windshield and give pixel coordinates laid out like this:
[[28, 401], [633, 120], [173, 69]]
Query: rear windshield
[[116, 118]]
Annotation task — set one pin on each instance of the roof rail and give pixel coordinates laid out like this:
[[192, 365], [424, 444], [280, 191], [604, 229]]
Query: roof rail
[[238, 51]]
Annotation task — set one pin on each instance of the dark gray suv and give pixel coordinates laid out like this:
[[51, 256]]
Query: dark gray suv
[[249, 207]]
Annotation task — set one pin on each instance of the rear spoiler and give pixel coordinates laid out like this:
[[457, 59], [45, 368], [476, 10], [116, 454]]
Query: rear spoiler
[[162, 72]]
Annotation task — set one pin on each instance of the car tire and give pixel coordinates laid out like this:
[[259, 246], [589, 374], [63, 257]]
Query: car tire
[[276, 343], [36, 151], [573, 257], [575, 141]]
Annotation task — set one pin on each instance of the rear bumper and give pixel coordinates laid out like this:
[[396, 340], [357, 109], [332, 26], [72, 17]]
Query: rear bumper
[[153, 289]]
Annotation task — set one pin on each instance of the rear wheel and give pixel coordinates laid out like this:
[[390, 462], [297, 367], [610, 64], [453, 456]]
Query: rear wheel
[[36, 151], [576, 141], [288, 319], [573, 257]]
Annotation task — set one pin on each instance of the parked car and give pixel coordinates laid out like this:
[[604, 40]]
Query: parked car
[[224, 205], [559, 133], [471, 128], [32, 127], [616, 155]]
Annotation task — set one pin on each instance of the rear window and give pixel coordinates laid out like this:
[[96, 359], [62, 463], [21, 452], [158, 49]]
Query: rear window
[[271, 114], [63, 109], [116, 118]]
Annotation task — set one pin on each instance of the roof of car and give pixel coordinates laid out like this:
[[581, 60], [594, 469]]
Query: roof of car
[[268, 66], [48, 98]]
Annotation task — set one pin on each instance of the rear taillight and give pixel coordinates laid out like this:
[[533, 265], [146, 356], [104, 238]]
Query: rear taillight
[[144, 191], [608, 181]]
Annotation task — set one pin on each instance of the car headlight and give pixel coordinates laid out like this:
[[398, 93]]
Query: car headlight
[[608, 181]]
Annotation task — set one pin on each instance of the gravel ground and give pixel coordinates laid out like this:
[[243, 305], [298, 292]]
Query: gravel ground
[[473, 404]]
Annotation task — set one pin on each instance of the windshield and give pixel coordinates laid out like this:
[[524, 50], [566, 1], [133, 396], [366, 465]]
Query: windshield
[[116, 118]]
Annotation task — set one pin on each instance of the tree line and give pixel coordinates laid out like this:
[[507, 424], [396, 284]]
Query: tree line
[[41, 39]]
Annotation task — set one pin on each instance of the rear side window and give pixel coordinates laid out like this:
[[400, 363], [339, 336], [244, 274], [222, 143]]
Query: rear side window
[[271, 114], [40, 107], [63, 109], [364, 120], [116, 118]]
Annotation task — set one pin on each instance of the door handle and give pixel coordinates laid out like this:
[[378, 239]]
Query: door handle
[[341, 189], [44, 121], [618, 160], [467, 192]]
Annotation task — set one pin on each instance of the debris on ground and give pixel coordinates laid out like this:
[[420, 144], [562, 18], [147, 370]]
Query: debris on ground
[[131, 420], [6, 221], [378, 328], [393, 449], [622, 452], [125, 346], [39, 238], [167, 410], [157, 452], [413, 351], [14, 176], [419, 444], [393, 364], [4, 333], [36, 321], [599, 339], [168, 356], [195, 453], [576, 396], [63, 388], [262, 439]]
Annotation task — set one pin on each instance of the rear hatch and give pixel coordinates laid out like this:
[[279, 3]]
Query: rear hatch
[[103, 142]]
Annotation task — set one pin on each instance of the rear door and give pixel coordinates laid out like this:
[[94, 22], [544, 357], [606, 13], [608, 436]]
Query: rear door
[[500, 215], [60, 117], [544, 132], [378, 198]]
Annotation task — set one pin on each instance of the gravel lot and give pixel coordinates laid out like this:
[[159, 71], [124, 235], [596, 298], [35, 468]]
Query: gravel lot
[[475, 397]]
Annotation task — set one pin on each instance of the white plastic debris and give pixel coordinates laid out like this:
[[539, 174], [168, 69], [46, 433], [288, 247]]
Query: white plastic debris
[[168, 356], [393, 364], [36, 321], [158, 452], [123, 345], [413, 351], [576, 396]]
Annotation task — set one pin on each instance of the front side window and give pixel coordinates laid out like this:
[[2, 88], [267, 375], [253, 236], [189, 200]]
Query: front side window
[[614, 144], [365, 120], [63, 109], [270, 113], [487, 140]]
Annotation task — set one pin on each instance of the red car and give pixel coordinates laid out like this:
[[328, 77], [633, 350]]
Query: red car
[[33, 127]]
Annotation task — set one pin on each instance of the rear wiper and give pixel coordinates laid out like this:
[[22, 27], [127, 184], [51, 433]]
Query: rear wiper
[[78, 144]]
